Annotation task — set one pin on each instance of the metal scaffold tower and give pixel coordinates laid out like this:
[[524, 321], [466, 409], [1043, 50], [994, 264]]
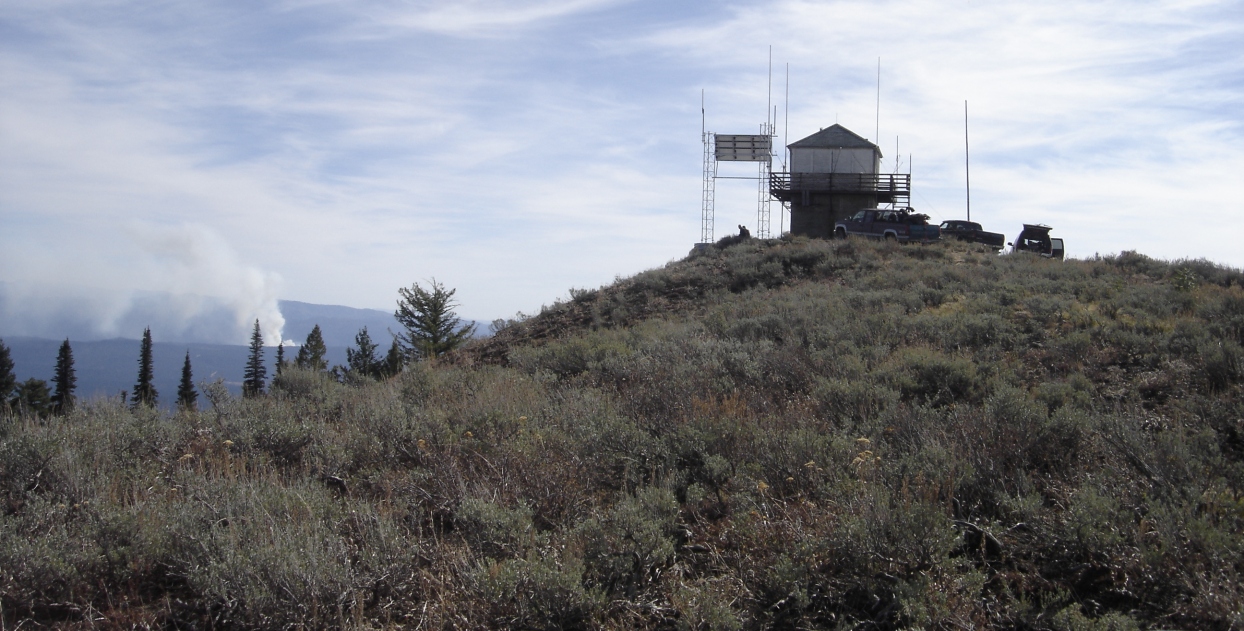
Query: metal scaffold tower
[[762, 197], [737, 148], [710, 189]]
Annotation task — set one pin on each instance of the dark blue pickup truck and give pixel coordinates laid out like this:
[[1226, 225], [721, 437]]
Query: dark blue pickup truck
[[972, 232], [900, 224]]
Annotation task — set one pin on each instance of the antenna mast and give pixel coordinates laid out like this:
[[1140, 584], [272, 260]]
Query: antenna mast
[[709, 188], [762, 188], [786, 122], [967, 168], [877, 131], [785, 151]]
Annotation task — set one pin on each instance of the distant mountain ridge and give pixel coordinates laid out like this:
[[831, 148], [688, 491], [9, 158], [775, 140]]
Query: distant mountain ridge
[[176, 318], [105, 367], [338, 324]]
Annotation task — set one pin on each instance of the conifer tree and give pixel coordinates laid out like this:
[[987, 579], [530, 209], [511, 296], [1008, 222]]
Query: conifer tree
[[394, 360], [363, 361], [280, 359], [8, 380], [65, 379], [311, 354], [187, 398], [256, 373], [32, 397], [145, 394], [432, 327]]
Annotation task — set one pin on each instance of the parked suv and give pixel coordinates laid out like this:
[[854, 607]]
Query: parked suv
[[899, 224], [1036, 238]]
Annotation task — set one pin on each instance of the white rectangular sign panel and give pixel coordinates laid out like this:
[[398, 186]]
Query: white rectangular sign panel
[[742, 148]]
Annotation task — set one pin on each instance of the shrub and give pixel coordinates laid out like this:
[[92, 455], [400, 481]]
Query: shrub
[[706, 604], [493, 530], [1222, 364], [850, 402], [627, 547], [930, 377], [537, 592], [859, 437]]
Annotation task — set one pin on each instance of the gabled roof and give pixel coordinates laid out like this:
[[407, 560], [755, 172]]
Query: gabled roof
[[835, 137]]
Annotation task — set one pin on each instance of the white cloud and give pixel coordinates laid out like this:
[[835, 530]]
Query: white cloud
[[486, 17]]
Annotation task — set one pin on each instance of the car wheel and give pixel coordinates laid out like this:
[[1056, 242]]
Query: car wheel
[[840, 233]]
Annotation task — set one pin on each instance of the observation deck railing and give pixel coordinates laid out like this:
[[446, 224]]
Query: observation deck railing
[[888, 187]]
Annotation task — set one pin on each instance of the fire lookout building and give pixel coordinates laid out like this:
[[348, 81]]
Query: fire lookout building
[[834, 173]]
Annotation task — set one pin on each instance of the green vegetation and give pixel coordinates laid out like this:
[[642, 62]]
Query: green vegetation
[[432, 327], [187, 397], [256, 374], [777, 434], [8, 380], [362, 361], [65, 379], [144, 390], [394, 360], [311, 354], [33, 397]]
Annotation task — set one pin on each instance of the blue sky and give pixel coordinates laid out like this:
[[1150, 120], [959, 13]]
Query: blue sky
[[331, 152]]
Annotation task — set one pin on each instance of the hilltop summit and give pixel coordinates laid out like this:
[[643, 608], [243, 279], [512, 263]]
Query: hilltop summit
[[766, 434]]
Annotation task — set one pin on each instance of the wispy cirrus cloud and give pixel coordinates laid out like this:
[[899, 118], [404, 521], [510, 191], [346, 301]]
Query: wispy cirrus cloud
[[478, 18]]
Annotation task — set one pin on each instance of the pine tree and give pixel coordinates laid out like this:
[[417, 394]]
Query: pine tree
[[256, 373], [363, 362], [187, 398], [394, 360], [31, 397], [311, 355], [65, 379], [145, 394], [432, 327], [8, 380], [280, 359]]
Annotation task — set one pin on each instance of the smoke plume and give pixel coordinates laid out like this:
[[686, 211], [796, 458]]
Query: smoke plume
[[185, 282]]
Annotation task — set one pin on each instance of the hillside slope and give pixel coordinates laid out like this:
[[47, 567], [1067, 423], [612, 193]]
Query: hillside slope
[[777, 434]]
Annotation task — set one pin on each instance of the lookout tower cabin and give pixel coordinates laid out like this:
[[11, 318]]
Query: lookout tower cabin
[[833, 174]]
